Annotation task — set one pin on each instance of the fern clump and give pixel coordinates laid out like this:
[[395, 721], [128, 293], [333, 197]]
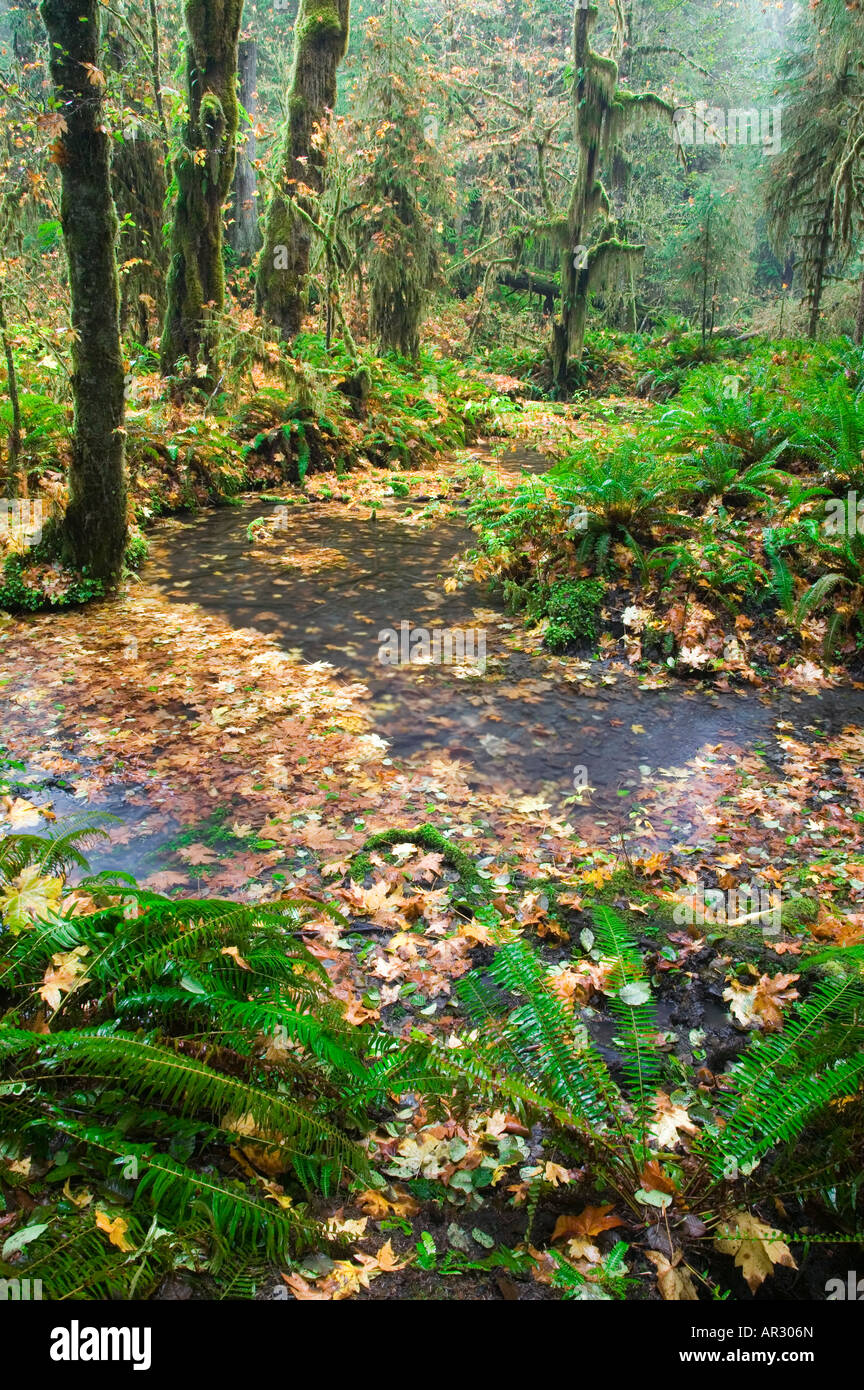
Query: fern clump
[[529, 1051], [185, 1057]]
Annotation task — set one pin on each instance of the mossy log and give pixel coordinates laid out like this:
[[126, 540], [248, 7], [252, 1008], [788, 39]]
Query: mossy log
[[425, 837]]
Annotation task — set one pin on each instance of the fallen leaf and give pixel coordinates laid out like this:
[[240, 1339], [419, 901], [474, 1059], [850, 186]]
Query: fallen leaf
[[590, 1222], [756, 1247], [234, 953], [115, 1229], [670, 1122], [674, 1283]]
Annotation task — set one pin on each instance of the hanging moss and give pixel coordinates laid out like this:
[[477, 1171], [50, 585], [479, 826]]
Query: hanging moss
[[138, 182], [401, 263], [601, 116]]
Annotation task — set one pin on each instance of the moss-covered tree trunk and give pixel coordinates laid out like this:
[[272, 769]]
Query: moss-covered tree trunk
[[818, 252], [138, 181], [602, 112], [203, 170], [321, 40], [95, 524], [9, 482], [858, 337]]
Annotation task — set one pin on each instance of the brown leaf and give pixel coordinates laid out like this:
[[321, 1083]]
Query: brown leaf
[[674, 1283], [590, 1222]]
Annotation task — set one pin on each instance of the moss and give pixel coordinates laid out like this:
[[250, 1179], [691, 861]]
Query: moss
[[797, 913], [95, 521], [17, 595], [321, 39], [197, 277], [425, 837], [626, 887], [573, 609], [320, 23], [361, 867]]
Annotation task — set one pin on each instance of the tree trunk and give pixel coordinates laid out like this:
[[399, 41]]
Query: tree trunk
[[821, 261], [570, 332], [204, 170], [156, 75], [95, 523], [138, 183], [705, 265], [244, 233], [12, 482], [859, 317], [321, 40]]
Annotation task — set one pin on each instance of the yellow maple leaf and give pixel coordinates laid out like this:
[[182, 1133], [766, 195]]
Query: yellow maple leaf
[[388, 1261], [115, 1229], [476, 932], [756, 1247], [28, 898], [554, 1173], [337, 1226], [670, 1122], [64, 974], [378, 1206], [596, 877]]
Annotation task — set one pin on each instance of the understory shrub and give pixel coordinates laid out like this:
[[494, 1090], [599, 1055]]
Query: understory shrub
[[573, 610]]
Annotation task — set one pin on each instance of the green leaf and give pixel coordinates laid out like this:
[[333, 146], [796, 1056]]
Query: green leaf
[[22, 1238], [638, 992], [653, 1198]]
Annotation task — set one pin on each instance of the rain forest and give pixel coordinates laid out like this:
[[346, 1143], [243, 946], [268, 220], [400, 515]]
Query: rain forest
[[432, 666]]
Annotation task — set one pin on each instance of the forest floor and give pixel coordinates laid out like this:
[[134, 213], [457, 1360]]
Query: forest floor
[[231, 709]]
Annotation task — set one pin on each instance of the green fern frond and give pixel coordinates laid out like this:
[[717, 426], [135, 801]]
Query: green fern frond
[[254, 1018], [54, 854], [634, 1012], [183, 1083], [784, 1079]]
